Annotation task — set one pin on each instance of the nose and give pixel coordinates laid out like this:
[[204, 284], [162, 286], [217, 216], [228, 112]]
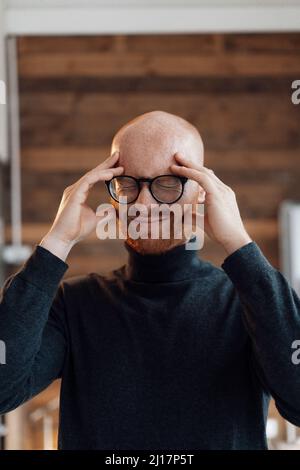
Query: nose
[[145, 197]]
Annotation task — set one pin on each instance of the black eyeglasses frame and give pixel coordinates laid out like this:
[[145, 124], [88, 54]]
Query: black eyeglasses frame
[[150, 181]]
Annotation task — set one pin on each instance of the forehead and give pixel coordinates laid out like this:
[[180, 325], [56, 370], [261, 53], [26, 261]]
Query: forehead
[[147, 154]]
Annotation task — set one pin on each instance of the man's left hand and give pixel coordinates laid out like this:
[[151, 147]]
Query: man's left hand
[[222, 221]]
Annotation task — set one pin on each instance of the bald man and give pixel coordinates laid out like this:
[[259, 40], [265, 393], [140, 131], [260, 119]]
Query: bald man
[[167, 352]]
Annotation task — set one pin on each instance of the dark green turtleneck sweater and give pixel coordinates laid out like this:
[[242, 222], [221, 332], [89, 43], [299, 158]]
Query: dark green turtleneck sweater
[[169, 352]]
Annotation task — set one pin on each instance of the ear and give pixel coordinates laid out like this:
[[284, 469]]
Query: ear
[[201, 195]]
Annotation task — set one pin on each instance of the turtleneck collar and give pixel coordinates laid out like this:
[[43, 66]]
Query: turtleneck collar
[[175, 264]]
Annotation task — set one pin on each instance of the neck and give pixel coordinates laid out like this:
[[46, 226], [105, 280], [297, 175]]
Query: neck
[[175, 264]]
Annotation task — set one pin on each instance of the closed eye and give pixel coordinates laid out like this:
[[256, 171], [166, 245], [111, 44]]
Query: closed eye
[[167, 186]]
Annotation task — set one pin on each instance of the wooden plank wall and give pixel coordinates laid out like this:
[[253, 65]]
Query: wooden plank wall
[[76, 92]]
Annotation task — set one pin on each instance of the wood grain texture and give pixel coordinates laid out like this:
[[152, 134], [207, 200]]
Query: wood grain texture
[[76, 92]]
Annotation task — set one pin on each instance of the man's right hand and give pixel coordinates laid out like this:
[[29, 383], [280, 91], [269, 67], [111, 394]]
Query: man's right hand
[[75, 220]]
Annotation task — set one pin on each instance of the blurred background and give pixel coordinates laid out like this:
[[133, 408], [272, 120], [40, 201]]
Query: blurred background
[[77, 71]]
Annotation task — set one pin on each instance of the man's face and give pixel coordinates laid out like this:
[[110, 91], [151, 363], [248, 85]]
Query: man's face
[[147, 150]]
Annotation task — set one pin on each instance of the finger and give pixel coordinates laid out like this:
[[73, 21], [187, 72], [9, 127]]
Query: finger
[[204, 179], [101, 174], [92, 175], [86, 182], [212, 173], [111, 160], [108, 163], [98, 175], [185, 161]]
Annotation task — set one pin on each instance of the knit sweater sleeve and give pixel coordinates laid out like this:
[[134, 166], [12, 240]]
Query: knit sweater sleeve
[[32, 331], [271, 313]]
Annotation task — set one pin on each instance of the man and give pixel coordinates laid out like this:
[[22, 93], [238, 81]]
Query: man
[[168, 351]]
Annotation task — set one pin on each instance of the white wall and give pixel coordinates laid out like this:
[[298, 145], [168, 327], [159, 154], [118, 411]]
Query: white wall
[[149, 16]]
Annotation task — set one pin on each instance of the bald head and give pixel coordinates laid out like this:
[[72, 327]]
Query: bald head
[[147, 144], [147, 147]]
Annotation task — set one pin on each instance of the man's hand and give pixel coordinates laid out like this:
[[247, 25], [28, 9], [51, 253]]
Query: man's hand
[[75, 220], [222, 221]]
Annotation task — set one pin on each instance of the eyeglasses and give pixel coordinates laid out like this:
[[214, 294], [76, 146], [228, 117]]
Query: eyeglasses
[[166, 189]]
